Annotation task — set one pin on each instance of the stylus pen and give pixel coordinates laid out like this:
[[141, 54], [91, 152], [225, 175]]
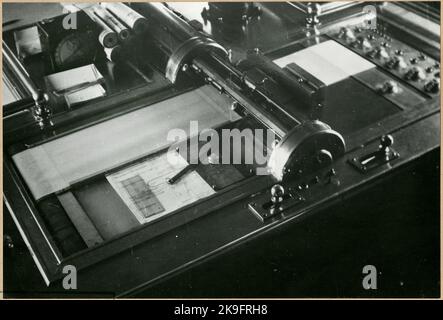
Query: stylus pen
[[182, 172], [7, 23]]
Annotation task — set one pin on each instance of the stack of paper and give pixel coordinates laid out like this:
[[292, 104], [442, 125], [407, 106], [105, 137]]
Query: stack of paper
[[329, 62], [77, 85]]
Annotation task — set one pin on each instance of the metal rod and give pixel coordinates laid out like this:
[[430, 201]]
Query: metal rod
[[17, 68]]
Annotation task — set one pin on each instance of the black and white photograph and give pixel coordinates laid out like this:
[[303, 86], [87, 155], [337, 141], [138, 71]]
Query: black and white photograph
[[221, 150]]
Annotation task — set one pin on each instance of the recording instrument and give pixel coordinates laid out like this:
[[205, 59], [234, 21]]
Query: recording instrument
[[74, 49], [325, 100]]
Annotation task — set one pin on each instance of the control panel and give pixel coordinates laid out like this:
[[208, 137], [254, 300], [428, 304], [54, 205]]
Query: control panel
[[402, 61]]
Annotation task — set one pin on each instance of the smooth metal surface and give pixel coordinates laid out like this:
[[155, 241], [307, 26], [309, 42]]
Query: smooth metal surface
[[297, 152], [190, 49], [324, 8], [268, 119], [15, 65], [41, 111]]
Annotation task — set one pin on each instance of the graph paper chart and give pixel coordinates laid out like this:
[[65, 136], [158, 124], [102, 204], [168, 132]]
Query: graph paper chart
[[145, 190], [142, 196]]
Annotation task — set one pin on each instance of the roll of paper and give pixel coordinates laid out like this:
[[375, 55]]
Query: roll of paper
[[131, 18], [108, 37], [112, 22]]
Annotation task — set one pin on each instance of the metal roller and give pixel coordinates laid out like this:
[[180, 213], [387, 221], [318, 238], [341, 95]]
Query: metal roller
[[112, 22], [40, 110], [177, 38], [108, 37], [305, 144], [131, 18], [307, 147]]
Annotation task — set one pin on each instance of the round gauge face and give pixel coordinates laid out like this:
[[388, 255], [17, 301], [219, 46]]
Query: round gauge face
[[75, 49]]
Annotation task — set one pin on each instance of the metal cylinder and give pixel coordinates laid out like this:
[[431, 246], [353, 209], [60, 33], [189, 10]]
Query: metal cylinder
[[180, 41], [213, 69], [17, 68], [112, 22], [307, 147], [164, 26], [302, 140], [131, 18], [108, 37], [40, 110]]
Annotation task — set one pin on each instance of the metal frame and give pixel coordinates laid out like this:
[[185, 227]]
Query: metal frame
[[240, 228], [15, 192]]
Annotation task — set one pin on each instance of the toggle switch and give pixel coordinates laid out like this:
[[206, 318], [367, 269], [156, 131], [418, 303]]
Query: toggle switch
[[383, 155], [265, 208], [389, 87], [381, 53], [362, 43], [433, 86], [347, 34], [277, 194], [396, 63], [415, 73]]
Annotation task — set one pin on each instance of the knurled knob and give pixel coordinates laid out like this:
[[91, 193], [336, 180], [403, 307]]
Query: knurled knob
[[277, 193], [385, 142]]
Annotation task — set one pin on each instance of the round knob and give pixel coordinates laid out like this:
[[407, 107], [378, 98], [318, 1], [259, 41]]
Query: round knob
[[366, 45], [397, 62], [277, 193], [386, 141], [363, 43], [390, 87], [8, 241], [39, 96], [433, 86], [415, 73], [347, 34], [382, 53], [429, 69], [313, 8]]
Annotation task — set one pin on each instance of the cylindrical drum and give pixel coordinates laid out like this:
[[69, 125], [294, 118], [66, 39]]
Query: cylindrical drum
[[112, 22], [130, 17], [108, 37]]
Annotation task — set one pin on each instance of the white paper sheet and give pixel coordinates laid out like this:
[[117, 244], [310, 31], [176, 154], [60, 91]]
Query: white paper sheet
[[57, 164], [85, 94], [70, 78], [77, 85], [143, 187], [329, 61], [28, 42]]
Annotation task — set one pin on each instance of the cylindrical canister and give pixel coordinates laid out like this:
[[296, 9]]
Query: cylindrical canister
[[108, 37], [131, 18], [112, 22]]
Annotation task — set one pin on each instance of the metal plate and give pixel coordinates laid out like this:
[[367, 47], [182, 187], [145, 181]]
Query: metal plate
[[264, 210]]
